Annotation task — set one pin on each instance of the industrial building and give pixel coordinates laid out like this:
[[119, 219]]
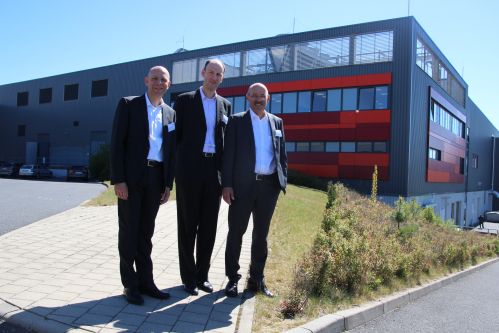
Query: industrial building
[[352, 97]]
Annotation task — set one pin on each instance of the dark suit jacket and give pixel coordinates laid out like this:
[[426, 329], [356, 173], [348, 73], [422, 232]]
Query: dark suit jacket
[[130, 142], [191, 131], [239, 158]]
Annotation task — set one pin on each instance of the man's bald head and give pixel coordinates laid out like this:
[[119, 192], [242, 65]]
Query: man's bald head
[[158, 69], [157, 82], [258, 97], [257, 86]]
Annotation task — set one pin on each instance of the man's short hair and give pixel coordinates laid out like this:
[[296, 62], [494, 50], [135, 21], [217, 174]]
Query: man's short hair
[[209, 61]]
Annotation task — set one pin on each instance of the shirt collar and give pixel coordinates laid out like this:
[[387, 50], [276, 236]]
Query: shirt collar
[[149, 104], [254, 116], [203, 96]]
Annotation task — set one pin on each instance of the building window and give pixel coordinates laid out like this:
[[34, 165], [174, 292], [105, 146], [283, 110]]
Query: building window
[[366, 98], [461, 165], [334, 100], [45, 96], [444, 118], [302, 146], [317, 146], [304, 101], [323, 53], [434, 154], [348, 147], [376, 47], [319, 101], [349, 99], [381, 98], [21, 130], [364, 147], [290, 147], [289, 103], [276, 103], [99, 88], [474, 162], [379, 147], [239, 104], [71, 92], [332, 147], [184, 71], [22, 98], [257, 62]]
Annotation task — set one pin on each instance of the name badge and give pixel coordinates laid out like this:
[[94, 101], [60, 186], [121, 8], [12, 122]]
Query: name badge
[[225, 119], [171, 127], [278, 133]]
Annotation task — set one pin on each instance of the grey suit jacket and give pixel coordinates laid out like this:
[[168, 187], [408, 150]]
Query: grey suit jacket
[[239, 157], [130, 142]]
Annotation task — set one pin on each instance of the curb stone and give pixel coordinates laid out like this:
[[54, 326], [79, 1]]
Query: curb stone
[[351, 318]]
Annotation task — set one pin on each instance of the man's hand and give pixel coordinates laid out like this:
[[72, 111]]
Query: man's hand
[[228, 194], [121, 191], [165, 196]]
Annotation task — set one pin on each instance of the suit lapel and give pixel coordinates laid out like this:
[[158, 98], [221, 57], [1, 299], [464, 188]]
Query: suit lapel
[[200, 110], [272, 131], [144, 116], [250, 134]]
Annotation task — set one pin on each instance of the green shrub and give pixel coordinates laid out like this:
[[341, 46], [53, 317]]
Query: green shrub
[[99, 164]]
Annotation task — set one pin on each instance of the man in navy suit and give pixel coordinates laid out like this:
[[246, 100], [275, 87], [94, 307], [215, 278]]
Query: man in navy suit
[[253, 174], [142, 169], [201, 119]]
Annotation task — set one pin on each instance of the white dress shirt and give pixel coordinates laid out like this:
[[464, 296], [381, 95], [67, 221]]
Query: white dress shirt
[[155, 120], [210, 109], [264, 147]]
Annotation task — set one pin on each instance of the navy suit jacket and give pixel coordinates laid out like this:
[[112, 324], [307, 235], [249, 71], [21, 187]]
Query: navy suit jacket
[[239, 157], [130, 142]]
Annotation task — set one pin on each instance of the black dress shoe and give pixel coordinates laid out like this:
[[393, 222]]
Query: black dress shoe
[[231, 288], [259, 286], [154, 292], [133, 296], [205, 286], [191, 289]]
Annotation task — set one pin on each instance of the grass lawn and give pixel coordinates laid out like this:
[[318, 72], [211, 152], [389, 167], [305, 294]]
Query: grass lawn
[[295, 223], [108, 198]]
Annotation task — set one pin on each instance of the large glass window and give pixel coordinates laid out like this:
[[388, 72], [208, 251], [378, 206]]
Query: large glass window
[[281, 58], [290, 147], [257, 62], [184, 71], [379, 147], [319, 101], [289, 102], [349, 99], [332, 147], [381, 98], [376, 47], [323, 53], [239, 104], [317, 146], [334, 100], [366, 98], [348, 147], [276, 103], [364, 147], [304, 101], [434, 154], [302, 146]]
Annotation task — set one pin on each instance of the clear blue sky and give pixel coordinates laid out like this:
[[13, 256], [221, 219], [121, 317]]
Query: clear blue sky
[[42, 38]]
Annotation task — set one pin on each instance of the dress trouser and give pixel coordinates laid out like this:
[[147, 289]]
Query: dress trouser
[[136, 228], [198, 202], [260, 200]]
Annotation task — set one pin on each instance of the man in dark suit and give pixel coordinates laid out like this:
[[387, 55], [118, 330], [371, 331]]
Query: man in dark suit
[[142, 168], [201, 119], [254, 172]]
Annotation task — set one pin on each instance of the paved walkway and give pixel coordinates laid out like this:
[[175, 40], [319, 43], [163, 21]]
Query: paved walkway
[[61, 274]]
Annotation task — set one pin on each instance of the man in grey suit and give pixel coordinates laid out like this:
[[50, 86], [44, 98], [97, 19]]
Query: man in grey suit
[[142, 168], [254, 171]]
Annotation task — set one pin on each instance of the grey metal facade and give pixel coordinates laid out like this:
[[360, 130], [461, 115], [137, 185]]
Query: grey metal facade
[[409, 106]]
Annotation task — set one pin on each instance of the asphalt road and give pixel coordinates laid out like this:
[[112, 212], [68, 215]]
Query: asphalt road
[[469, 305], [23, 202]]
